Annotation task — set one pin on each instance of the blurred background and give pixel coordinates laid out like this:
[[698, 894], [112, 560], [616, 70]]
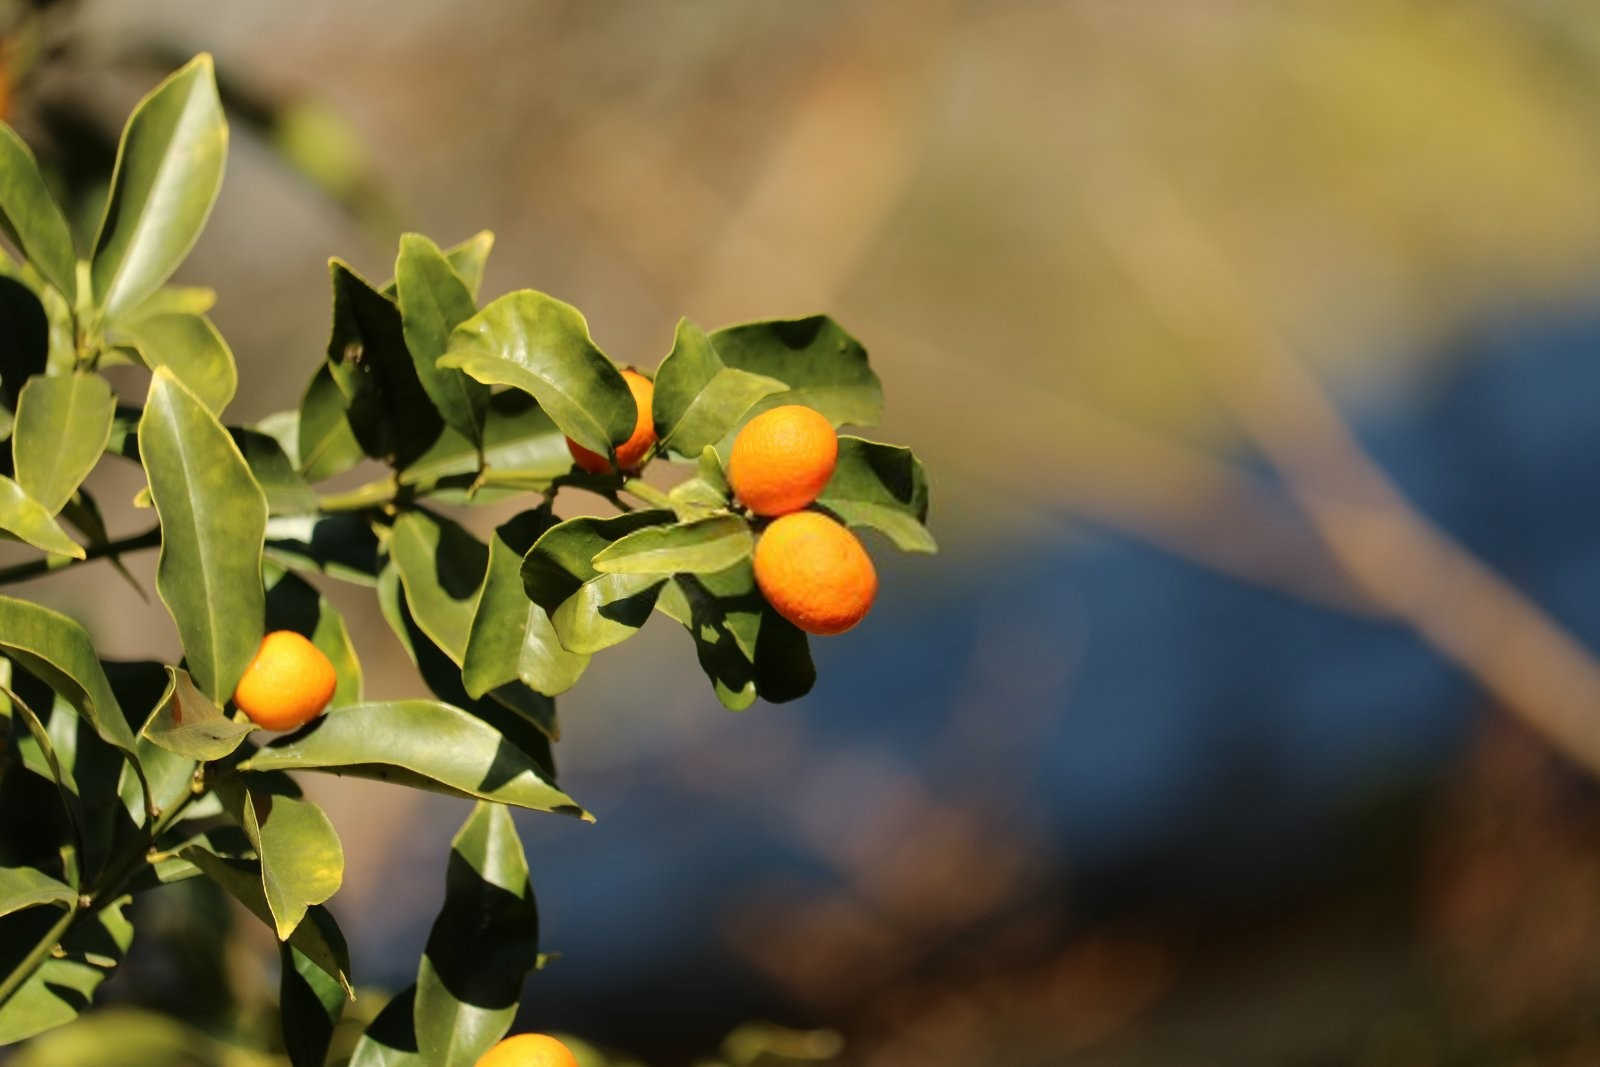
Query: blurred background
[[1248, 714]]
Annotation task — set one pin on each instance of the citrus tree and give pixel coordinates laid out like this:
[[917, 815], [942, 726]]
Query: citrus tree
[[118, 778]]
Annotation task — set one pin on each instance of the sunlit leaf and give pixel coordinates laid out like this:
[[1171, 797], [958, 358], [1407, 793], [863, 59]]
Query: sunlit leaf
[[422, 743], [824, 367], [317, 936], [187, 723], [327, 445], [192, 348], [519, 442], [390, 1040], [31, 218], [442, 567], [433, 301], [698, 399], [286, 491], [27, 520], [168, 170], [538, 344], [882, 487], [28, 887], [710, 544], [483, 944], [62, 427], [213, 523], [59, 652], [511, 637], [300, 857]]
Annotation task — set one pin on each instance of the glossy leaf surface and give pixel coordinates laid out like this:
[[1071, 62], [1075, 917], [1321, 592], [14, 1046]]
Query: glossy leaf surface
[[62, 427], [540, 345], [213, 523], [882, 487], [168, 170]]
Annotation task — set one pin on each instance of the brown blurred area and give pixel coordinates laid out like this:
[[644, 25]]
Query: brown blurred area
[[1098, 252]]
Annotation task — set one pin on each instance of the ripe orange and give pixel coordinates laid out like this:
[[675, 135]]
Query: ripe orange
[[782, 459], [815, 573], [528, 1050], [288, 683], [631, 452]]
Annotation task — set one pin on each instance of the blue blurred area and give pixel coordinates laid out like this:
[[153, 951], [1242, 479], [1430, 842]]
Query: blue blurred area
[[1149, 718]]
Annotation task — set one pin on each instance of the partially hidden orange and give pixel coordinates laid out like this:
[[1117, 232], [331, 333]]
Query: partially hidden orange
[[528, 1050], [288, 683], [782, 459], [631, 452], [815, 573]]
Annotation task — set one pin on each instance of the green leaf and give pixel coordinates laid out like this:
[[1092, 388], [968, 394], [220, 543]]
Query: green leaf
[[442, 567], [65, 984], [483, 944], [421, 743], [187, 723], [824, 367], [745, 648], [523, 717], [310, 1003], [512, 638], [168, 170], [28, 887], [284, 428], [27, 519], [213, 523], [173, 300], [390, 1040], [590, 611], [317, 937], [703, 495], [326, 443], [561, 560], [341, 546], [31, 218], [606, 611], [711, 544], [434, 301], [301, 859], [293, 604], [469, 258], [882, 487], [286, 491], [193, 349], [699, 400], [62, 427], [59, 653], [387, 407], [541, 346], [519, 443]]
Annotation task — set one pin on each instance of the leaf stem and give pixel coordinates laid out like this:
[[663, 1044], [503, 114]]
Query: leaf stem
[[36, 955], [638, 487], [45, 565]]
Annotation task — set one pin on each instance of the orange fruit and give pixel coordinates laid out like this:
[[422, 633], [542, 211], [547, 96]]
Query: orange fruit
[[528, 1050], [782, 459], [631, 452], [815, 573], [288, 683]]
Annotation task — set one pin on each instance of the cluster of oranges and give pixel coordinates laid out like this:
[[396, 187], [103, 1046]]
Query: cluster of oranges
[[811, 569]]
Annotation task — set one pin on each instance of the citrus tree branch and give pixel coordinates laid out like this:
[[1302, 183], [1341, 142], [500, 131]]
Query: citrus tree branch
[[32, 568]]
